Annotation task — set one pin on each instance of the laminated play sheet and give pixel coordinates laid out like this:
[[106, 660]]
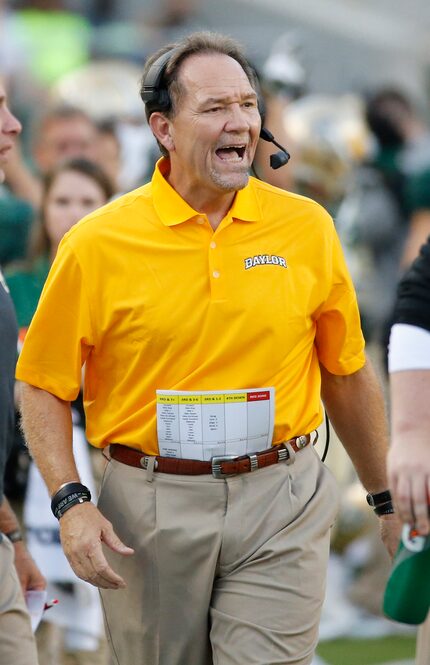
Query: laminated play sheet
[[203, 424]]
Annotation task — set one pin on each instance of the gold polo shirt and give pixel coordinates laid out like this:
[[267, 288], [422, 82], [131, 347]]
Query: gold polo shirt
[[149, 297]]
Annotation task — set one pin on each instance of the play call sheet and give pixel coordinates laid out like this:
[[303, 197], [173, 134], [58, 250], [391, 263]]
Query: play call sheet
[[203, 424]]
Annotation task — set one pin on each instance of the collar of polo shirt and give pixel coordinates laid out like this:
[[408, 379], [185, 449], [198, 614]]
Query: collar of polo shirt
[[172, 209]]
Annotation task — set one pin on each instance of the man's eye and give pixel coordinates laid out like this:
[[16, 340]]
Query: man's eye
[[213, 109]]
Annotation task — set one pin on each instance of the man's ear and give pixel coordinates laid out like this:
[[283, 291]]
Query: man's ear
[[160, 127]]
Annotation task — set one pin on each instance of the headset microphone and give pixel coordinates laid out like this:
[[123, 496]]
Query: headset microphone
[[280, 158]]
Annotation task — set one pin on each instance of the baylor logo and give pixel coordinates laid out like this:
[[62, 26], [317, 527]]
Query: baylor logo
[[263, 260]]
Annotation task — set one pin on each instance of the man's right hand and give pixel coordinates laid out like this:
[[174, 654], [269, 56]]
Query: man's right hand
[[83, 529]]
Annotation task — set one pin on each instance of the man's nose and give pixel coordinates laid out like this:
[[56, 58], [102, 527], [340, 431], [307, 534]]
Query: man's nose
[[11, 125], [238, 118]]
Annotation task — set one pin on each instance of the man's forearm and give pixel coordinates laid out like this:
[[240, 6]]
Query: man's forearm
[[356, 409], [47, 426], [410, 414]]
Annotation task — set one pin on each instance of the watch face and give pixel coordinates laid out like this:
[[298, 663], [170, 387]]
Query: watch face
[[379, 498]]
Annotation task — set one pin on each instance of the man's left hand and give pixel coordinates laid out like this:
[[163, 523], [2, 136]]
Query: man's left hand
[[29, 574]]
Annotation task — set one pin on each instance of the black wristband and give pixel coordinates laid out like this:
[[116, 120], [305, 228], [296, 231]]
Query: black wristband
[[379, 498], [70, 501], [14, 536], [386, 508], [67, 496]]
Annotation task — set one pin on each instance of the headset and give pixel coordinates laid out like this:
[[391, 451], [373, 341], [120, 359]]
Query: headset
[[155, 95]]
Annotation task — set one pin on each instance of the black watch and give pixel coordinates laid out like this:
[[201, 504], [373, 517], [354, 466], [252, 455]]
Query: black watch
[[378, 499], [14, 536]]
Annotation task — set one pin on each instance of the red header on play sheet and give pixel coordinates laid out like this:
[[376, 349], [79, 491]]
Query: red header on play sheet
[[258, 396]]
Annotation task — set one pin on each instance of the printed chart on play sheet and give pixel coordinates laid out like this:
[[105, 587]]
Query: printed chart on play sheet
[[203, 424]]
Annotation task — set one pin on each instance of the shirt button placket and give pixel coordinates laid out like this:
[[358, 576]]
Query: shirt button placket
[[215, 271]]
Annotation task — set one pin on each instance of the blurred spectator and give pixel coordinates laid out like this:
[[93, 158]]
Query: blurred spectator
[[63, 132], [330, 139], [418, 202], [374, 219], [402, 157], [72, 190], [108, 151], [107, 90]]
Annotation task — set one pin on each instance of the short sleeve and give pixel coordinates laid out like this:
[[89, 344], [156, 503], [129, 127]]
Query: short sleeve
[[60, 336], [339, 339]]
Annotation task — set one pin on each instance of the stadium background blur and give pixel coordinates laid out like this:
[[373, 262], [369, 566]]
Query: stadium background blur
[[321, 63]]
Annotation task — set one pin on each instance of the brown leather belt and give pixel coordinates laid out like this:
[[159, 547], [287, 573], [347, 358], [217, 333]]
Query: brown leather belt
[[219, 466]]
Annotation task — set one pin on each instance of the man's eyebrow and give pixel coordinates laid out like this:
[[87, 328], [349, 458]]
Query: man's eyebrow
[[226, 100]]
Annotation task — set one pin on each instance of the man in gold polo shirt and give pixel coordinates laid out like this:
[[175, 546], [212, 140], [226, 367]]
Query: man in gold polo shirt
[[211, 311]]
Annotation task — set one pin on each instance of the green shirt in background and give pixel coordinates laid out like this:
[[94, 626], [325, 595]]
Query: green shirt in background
[[25, 287], [57, 42], [16, 217]]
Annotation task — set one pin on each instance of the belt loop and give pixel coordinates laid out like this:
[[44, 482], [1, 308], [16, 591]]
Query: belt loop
[[150, 464], [292, 454], [106, 453]]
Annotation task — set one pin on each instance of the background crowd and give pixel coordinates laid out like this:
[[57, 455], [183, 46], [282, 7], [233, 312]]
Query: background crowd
[[72, 72]]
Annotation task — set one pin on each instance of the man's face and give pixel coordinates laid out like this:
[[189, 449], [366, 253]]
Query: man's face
[[215, 130], [65, 138], [10, 127]]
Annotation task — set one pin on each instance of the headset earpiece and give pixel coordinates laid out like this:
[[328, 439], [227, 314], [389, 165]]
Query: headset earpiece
[[153, 90]]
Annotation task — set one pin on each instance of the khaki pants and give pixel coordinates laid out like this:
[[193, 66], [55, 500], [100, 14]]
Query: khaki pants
[[225, 572], [17, 643]]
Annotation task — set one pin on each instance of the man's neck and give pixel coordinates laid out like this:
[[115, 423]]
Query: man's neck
[[217, 213], [213, 204]]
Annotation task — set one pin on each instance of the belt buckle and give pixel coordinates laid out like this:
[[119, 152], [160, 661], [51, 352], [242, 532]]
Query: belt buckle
[[216, 465], [144, 462]]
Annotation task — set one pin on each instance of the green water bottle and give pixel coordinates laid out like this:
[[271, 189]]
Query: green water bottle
[[407, 594]]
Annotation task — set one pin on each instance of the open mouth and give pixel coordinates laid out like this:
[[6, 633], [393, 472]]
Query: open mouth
[[231, 153]]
